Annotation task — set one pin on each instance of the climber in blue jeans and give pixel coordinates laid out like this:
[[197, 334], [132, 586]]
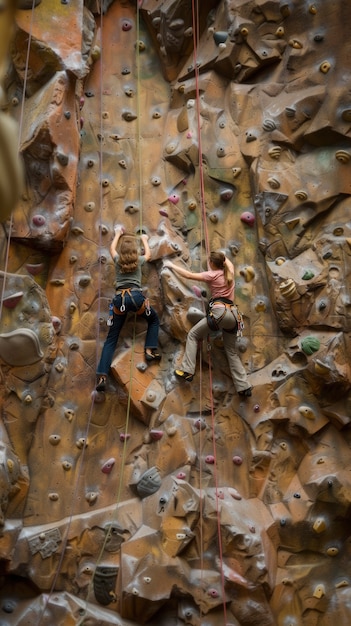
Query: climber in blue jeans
[[129, 297]]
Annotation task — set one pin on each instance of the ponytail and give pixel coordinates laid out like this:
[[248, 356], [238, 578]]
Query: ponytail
[[218, 260]]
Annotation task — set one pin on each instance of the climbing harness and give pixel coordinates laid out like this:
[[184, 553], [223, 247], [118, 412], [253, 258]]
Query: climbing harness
[[145, 306], [214, 322]]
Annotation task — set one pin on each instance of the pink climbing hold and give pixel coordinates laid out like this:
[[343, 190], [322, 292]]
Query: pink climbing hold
[[248, 218], [181, 475], [38, 220], [126, 25], [197, 291], [156, 435], [209, 459], [124, 436], [174, 198], [237, 460], [163, 212], [108, 466]]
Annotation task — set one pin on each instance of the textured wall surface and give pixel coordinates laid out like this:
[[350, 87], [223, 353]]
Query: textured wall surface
[[214, 124]]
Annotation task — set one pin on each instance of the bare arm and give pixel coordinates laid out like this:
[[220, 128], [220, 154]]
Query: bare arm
[[147, 253], [230, 266], [114, 243], [182, 271]]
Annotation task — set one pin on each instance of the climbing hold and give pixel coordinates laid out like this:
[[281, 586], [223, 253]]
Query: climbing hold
[[213, 217], [66, 465], [343, 156], [295, 43], [124, 436], [288, 289], [333, 551], [325, 67], [269, 125], [307, 412], [20, 347], [91, 497], [149, 482], [248, 273], [273, 182], [54, 440], [250, 136], [256, 408], [174, 198], [53, 496], [275, 152], [248, 218], [221, 151], [226, 194], [312, 9], [280, 32], [129, 116], [237, 460], [234, 493], [155, 434], [209, 459], [181, 476], [301, 195], [140, 46], [81, 443], [126, 25], [220, 36], [39, 220], [12, 300], [108, 466], [213, 593], [319, 525], [89, 206], [319, 591], [308, 274], [310, 344], [200, 423], [338, 231], [69, 414]]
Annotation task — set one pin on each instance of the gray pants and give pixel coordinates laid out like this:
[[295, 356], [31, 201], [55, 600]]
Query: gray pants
[[201, 330]]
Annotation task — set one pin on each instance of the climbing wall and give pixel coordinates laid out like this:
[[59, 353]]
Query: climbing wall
[[209, 125]]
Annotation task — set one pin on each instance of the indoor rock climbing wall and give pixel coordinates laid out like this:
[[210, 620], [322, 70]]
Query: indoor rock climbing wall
[[159, 502]]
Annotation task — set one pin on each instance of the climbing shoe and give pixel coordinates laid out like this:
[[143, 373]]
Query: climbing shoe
[[101, 383], [183, 375], [246, 393], [153, 355]]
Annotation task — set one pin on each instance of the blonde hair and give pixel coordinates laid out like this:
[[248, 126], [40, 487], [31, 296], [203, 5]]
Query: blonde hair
[[128, 253], [217, 258]]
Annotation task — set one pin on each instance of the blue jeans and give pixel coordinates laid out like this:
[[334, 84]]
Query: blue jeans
[[153, 324]]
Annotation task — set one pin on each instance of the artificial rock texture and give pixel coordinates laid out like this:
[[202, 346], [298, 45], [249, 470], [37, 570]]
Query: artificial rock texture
[[219, 124]]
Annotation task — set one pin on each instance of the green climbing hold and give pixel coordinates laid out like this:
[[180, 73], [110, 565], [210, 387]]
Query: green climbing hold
[[308, 275], [310, 345]]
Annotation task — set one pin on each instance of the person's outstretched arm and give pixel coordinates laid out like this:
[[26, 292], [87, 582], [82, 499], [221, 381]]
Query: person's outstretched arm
[[182, 271], [113, 247], [147, 253]]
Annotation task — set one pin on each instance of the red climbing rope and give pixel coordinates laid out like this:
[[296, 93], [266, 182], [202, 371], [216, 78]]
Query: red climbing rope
[[196, 35]]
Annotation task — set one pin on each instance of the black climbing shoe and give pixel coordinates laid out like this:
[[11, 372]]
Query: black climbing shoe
[[154, 356], [101, 383], [184, 375], [246, 393]]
